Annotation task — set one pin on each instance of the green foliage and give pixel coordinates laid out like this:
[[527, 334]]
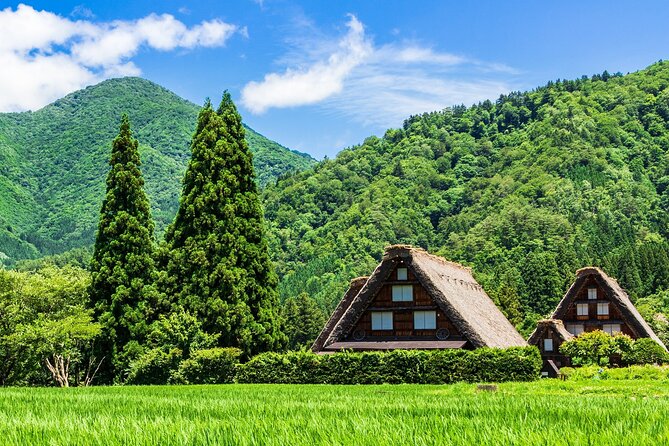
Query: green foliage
[[122, 268], [303, 320], [646, 351], [400, 366], [156, 366], [216, 263], [51, 161], [210, 366], [596, 347], [525, 190], [43, 316]]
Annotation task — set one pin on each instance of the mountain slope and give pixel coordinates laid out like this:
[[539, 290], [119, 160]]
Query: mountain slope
[[525, 190], [53, 162]]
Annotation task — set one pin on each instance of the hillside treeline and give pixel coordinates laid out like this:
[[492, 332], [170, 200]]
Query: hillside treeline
[[525, 190]]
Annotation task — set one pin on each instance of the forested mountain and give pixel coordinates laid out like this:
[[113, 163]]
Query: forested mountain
[[53, 162], [525, 190]]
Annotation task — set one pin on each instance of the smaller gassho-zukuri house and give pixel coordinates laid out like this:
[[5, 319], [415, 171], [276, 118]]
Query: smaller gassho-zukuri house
[[415, 300], [594, 301]]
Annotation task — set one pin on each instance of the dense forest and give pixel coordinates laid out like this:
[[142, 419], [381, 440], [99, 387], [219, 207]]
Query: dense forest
[[53, 162], [525, 190]]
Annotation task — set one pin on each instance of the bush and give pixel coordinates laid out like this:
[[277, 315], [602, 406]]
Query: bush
[[645, 351], [210, 366], [595, 347], [156, 366], [399, 366]]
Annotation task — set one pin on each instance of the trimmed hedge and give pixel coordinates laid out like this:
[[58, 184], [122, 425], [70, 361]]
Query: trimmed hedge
[[210, 366], [395, 367]]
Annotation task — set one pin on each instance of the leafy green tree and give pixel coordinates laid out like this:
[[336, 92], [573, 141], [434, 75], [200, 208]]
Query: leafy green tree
[[122, 268], [217, 264], [45, 322], [303, 320]]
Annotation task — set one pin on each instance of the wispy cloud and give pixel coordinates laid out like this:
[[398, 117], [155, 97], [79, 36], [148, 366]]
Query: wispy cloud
[[375, 84], [320, 80], [44, 56]]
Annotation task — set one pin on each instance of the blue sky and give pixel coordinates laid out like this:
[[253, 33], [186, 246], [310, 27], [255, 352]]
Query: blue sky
[[319, 76]]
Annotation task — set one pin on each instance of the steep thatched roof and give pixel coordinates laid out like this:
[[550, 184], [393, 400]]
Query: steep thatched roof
[[451, 286], [615, 293], [356, 285], [544, 325]]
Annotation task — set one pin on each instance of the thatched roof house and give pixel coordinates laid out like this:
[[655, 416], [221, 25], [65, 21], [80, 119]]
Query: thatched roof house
[[415, 300], [592, 286], [594, 301]]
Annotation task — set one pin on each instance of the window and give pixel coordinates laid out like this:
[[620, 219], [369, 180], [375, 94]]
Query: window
[[581, 309], [592, 293], [575, 329], [382, 320], [402, 274], [424, 320], [611, 328], [402, 293], [603, 308], [548, 345]]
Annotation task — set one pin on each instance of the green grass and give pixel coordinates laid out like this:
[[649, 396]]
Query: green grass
[[540, 413]]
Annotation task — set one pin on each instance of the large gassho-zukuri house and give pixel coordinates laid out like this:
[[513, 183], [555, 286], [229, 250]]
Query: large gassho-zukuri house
[[594, 301], [415, 300]]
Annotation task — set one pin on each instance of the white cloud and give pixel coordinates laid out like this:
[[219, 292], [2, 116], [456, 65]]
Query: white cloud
[[45, 56], [312, 84], [376, 85]]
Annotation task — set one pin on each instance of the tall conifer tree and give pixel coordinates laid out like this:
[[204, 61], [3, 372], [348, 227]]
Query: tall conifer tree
[[218, 264], [122, 268]]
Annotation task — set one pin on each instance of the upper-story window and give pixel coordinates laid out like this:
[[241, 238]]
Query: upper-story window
[[575, 329], [603, 309], [402, 274], [581, 309], [592, 293], [382, 320], [548, 345], [424, 320], [402, 293]]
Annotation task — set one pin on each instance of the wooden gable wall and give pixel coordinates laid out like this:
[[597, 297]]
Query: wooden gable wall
[[593, 321], [403, 314]]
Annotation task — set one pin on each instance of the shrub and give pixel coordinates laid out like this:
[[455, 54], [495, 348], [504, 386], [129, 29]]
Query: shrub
[[156, 366], [400, 366], [595, 347], [210, 366], [645, 351]]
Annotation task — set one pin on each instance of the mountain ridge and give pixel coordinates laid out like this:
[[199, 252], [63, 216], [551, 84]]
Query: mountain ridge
[[53, 162]]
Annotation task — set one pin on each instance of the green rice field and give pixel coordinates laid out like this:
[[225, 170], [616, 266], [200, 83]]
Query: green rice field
[[548, 412]]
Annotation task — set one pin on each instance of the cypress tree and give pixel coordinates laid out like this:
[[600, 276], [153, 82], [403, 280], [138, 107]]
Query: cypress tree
[[218, 266], [122, 267]]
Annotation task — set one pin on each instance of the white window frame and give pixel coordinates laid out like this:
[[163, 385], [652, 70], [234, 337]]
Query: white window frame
[[382, 320], [425, 320], [612, 329], [548, 344], [575, 329], [402, 274], [402, 293], [592, 293], [580, 308], [602, 309]]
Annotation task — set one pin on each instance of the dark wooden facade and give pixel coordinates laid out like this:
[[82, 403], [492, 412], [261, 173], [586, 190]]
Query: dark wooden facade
[[594, 321], [403, 315]]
